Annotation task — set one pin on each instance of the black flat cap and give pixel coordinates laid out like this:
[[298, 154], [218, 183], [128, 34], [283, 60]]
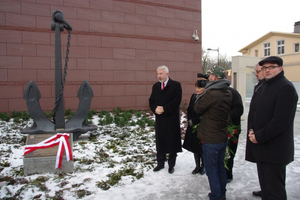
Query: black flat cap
[[273, 60]]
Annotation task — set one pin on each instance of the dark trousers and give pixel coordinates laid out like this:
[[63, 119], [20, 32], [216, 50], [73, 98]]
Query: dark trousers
[[214, 155], [161, 157], [272, 180]]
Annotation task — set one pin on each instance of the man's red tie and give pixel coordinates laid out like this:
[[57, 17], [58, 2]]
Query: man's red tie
[[163, 86]]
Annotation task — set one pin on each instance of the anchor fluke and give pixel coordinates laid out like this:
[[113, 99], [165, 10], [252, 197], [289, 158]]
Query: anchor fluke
[[41, 124], [77, 124]]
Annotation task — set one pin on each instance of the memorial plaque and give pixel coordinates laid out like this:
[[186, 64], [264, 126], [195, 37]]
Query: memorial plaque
[[43, 160], [36, 138]]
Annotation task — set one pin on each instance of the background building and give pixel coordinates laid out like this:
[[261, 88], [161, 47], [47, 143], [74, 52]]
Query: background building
[[284, 45], [116, 45]]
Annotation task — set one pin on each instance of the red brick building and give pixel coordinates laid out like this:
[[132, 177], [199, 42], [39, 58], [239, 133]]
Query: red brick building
[[116, 45]]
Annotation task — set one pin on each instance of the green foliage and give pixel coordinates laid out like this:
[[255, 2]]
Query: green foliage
[[58, 195], [141, 123], [93, 112], [82, 193], [86, 161], [61, 175], [102, 113], [4, 117], [107, 120], [138, 113], [101, 156], [25, 116], [150, 122], [23, 140], [122, 119], [17, 120], [90, 114], [68, 112], [15, 114], [116, 176], [117, 111], [40, 183], [48, 115], [4, 163], [82, 144]]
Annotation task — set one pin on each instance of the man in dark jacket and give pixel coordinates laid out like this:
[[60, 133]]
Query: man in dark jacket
[[214, 107], [272, 129], [164, 102], [249, 145], [235, 114]]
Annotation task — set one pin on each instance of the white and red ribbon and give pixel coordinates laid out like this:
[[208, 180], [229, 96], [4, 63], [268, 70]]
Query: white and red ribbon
[[60, 139]]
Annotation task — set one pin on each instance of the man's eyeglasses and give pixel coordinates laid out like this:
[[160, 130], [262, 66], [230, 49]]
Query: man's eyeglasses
[[264, 68], [257, 71]]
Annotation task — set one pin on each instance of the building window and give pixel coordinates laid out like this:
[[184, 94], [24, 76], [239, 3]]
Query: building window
[[267, 49], [256, 53], [280, 47], [296, 48]]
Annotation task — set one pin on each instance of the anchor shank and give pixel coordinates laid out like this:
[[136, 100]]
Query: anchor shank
[[60, 114]]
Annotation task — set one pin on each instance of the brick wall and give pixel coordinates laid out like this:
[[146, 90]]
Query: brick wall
[[116, 45]]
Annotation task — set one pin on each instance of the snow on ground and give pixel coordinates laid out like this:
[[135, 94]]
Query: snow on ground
[[137, 153]]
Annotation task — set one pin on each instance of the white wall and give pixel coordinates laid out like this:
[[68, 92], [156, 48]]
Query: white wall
[[242, 67]]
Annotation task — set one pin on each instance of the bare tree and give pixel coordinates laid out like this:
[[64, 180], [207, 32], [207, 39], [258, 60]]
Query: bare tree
[[208, 62], [205, 61], [224, 61]]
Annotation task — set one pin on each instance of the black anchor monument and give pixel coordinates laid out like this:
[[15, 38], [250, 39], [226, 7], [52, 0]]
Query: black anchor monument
[[42, 160]]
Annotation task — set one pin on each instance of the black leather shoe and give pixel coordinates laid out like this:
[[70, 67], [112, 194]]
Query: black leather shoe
[[171, 170], [257, 193], [196, 170], [202, 170], [157, 168]]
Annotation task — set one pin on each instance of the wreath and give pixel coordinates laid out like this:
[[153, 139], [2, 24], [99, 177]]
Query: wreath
[[233, 131]]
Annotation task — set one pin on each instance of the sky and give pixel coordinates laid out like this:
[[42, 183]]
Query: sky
[[230, 25]]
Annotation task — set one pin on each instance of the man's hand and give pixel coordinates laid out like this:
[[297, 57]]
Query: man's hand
[[159, 110], [251, 136]]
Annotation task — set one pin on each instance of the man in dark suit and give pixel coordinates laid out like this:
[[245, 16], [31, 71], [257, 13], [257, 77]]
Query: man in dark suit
[[164, 102], [272, 129]]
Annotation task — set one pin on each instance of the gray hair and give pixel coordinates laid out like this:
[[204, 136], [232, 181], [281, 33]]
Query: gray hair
[[163, 67], [256, 66]]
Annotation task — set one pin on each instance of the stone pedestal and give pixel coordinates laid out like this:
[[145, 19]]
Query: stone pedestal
[[43, 160]]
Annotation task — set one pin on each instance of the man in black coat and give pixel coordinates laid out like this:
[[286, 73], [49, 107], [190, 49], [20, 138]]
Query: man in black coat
[[164, 102], [272, 129], [253, 104]]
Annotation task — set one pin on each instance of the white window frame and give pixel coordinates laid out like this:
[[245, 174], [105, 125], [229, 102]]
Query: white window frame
[[280, 47], [267, 49]]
